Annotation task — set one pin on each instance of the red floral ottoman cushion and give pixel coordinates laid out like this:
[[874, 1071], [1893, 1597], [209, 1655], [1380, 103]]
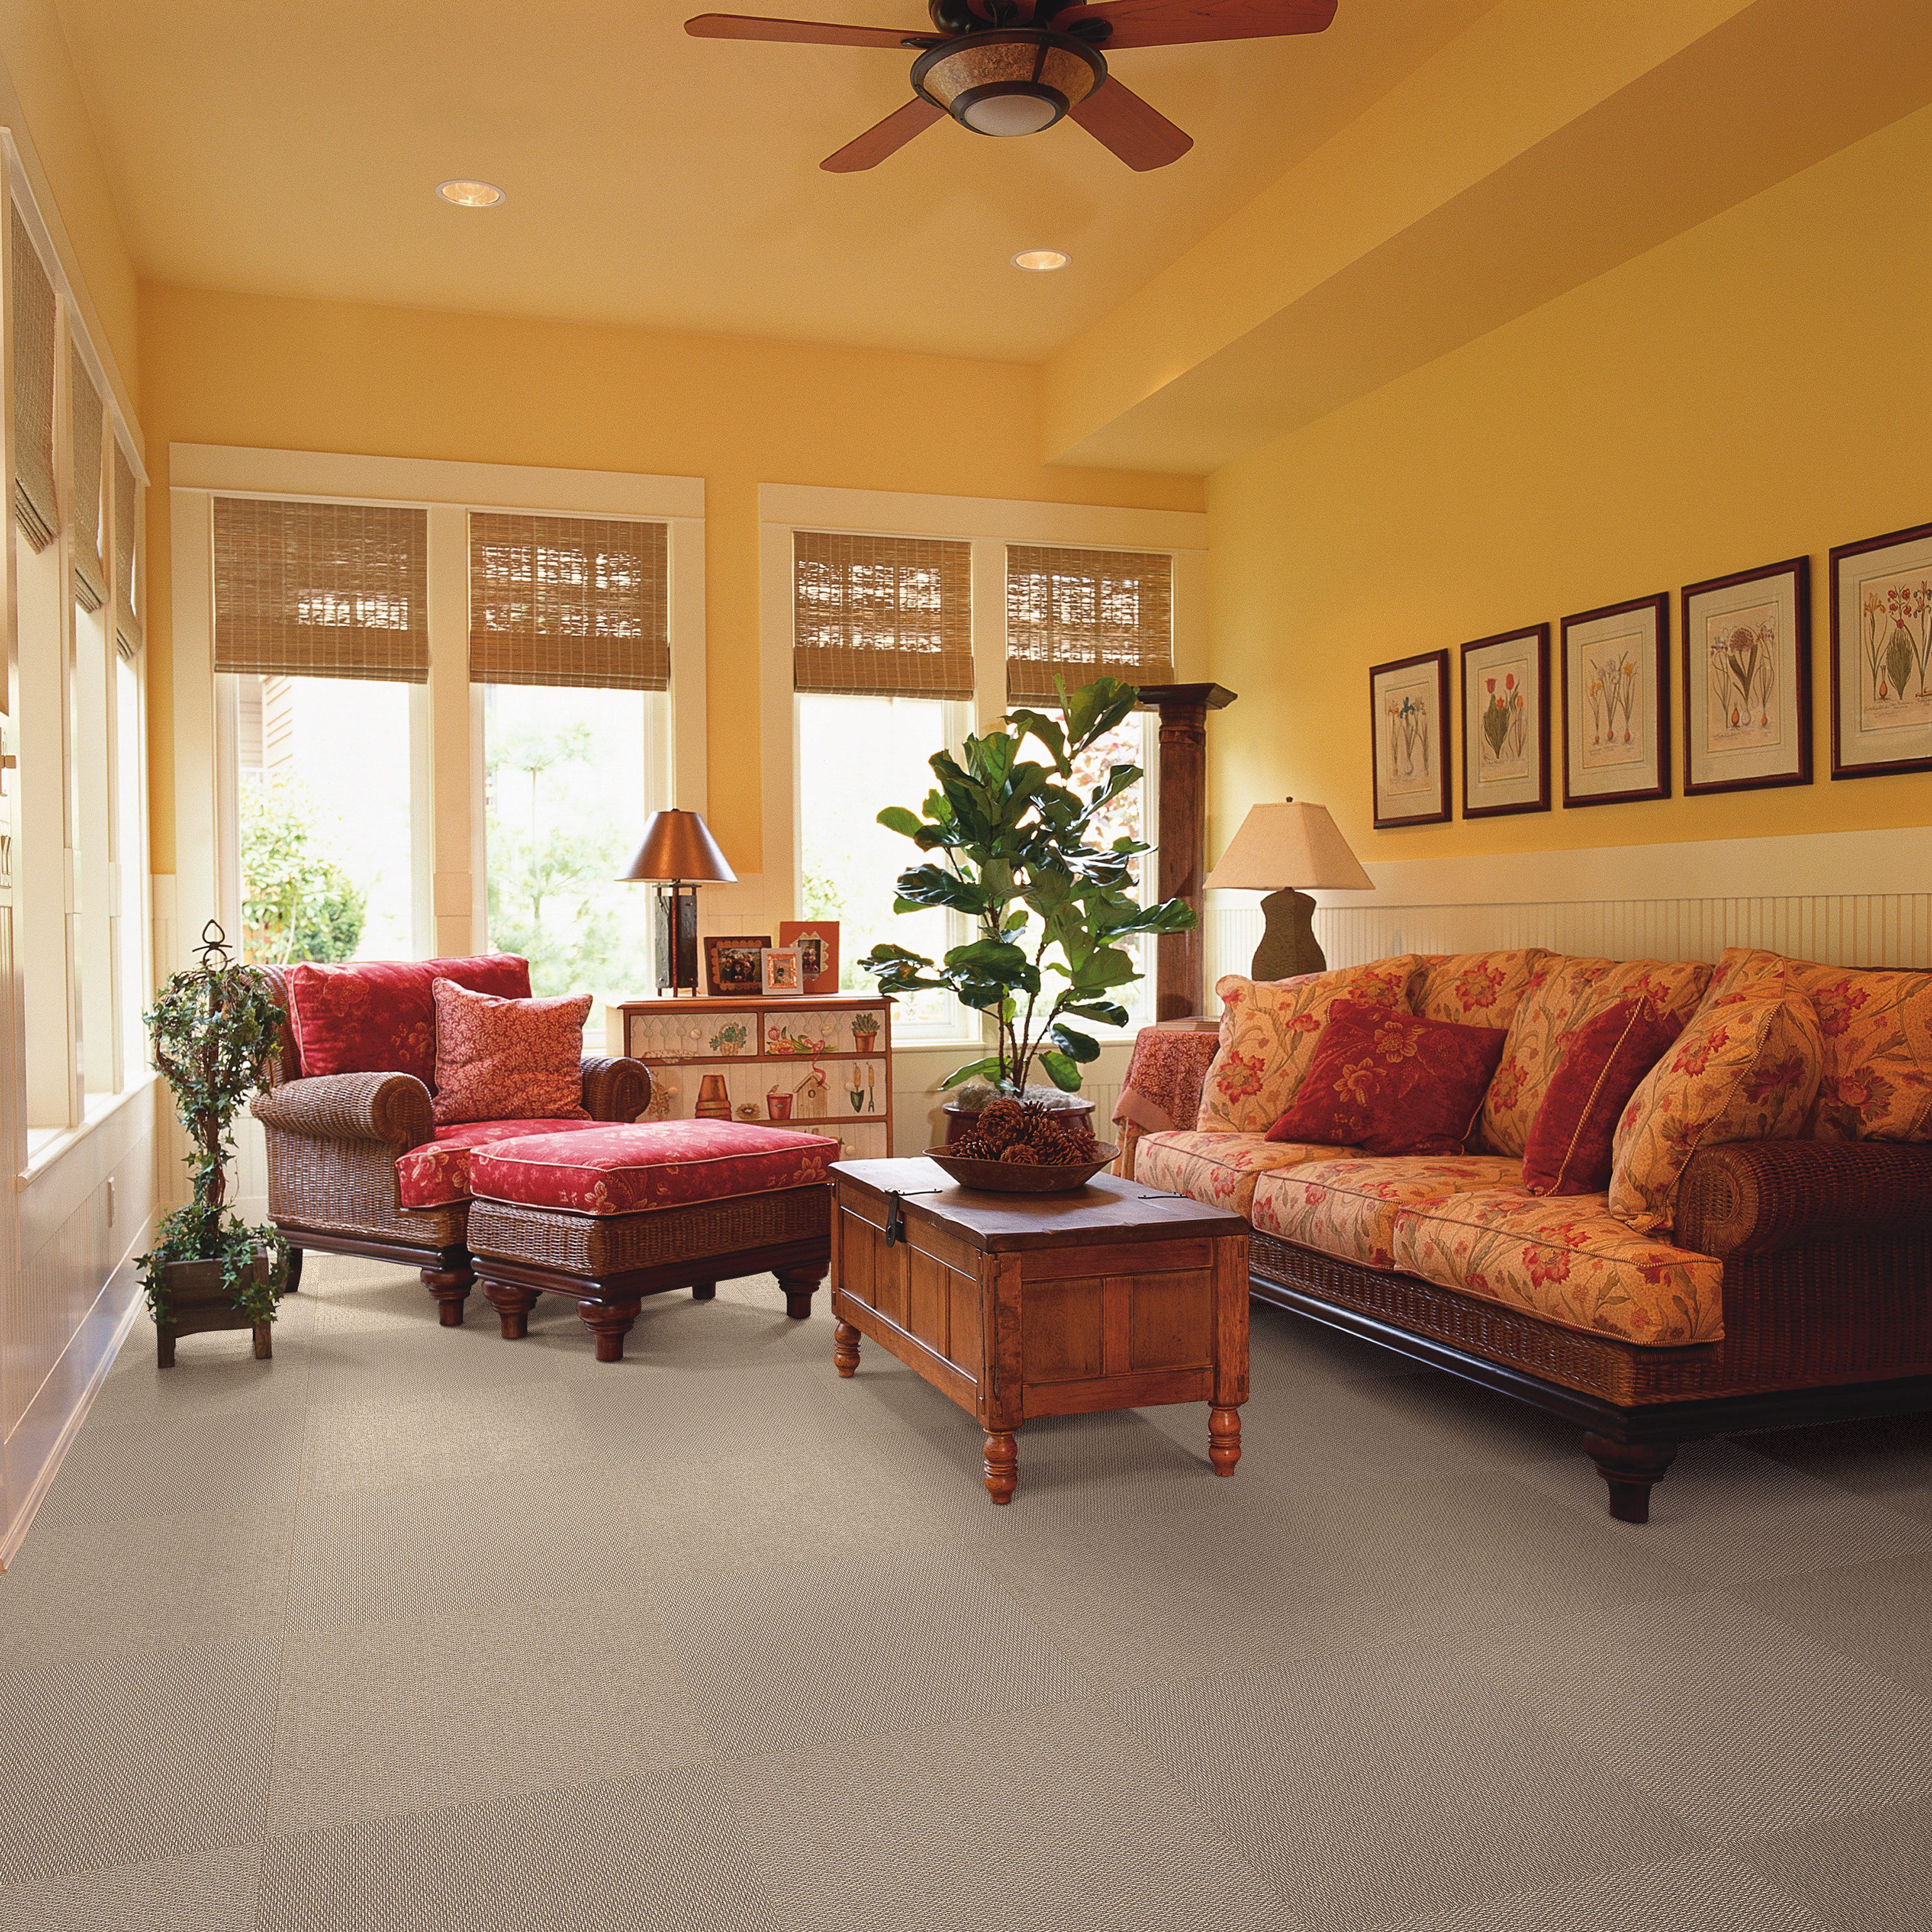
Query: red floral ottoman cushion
[[629, 1170], [378, 1015], [436, 1175]]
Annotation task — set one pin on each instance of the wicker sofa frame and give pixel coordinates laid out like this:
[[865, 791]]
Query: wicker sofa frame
[[333, 1143]]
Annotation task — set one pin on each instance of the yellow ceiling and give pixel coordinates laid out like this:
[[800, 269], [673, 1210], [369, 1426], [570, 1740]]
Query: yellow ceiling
[[661, 181]]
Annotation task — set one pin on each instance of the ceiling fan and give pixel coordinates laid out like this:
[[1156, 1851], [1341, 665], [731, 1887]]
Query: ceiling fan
[[1015, 66]]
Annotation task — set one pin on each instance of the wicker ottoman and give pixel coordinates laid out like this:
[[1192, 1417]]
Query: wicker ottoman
[[612, 1215]]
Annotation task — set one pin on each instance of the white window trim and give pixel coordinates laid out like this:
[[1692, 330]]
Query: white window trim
[[989, 524], [450, 899]]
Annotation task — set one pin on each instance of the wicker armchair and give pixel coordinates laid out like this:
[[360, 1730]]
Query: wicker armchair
[[333, 1143]]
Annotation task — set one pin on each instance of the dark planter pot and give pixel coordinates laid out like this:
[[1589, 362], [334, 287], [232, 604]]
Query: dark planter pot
[[198, 1302], [959, 1119]]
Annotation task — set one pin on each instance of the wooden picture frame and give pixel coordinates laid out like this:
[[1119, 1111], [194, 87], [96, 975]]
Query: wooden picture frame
[[817, 942], [781, 970], [1408, 747], [1747, 654], [1504, 703], [732, 967], [1879, 588], [1616, 732]]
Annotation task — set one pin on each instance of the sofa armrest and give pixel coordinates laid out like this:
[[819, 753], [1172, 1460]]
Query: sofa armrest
[[615, 1089], [1750, 1196], [1164, 1075], [391, 1109]]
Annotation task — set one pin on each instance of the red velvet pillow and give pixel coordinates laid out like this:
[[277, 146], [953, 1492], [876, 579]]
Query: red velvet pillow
[[508, 1059], [1392, 1083], [379, 1016], [1567, 1150]]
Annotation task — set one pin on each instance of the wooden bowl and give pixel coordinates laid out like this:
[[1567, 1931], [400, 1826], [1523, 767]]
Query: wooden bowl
[[999, 1177]]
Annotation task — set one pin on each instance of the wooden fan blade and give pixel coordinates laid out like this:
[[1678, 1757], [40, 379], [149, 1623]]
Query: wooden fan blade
[[1117, 117], [1170, 23], [886, 137], [812, 33]]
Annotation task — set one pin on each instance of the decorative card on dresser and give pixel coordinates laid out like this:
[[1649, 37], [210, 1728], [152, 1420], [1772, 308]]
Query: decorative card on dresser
[[822, 1061]]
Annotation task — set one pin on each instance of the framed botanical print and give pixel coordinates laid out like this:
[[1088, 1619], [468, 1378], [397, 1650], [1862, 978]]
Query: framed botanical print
[[1747, 679], [1408, 704], [1881, 654], [1506, 724], [1616, 703]]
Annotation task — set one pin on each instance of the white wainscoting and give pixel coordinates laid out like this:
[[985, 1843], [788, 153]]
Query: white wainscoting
[[1850, 898]]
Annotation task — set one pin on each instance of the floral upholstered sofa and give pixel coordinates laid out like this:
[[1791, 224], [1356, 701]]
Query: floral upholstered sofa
[[1761, 1256]]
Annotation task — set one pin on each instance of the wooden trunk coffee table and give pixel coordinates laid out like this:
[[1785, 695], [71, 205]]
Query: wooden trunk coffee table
[[1016, 1305]]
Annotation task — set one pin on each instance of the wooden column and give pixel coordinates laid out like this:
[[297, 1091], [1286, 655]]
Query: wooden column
[[1180, 957]]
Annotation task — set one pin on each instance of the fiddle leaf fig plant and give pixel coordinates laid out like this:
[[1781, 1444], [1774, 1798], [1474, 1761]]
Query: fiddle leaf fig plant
[[1011, 846]]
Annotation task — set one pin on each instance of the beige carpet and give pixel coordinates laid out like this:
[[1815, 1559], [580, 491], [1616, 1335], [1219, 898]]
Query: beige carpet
[[415, 1628]]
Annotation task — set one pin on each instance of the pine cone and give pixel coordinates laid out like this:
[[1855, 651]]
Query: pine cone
[[1020, 1155], [1049, 1141], [999, 1121], [974, 1147], [1036, 1110]]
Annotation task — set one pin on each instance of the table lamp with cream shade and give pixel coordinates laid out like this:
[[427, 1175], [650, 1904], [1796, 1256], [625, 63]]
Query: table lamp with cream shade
[[1278, 848], [678, 855]]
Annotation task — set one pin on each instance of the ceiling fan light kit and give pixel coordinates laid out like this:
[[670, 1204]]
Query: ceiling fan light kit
[[1014, 82], [1007, 67]]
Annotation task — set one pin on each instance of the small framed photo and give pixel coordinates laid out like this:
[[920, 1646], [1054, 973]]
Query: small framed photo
[[1506, 724], [1881, 643], [818, 943], [781, 970], [1409, 715], [732, 966], [1616, 703], [1747, 679]]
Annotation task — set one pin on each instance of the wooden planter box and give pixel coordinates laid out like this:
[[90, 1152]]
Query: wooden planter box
[[198, 1302]]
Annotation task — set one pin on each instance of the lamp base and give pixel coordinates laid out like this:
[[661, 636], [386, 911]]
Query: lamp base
[[1288, 946]]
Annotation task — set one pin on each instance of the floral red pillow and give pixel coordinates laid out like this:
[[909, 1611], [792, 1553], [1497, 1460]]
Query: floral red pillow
[[508, 1059], [1392, 1083], [1604, 1062], [379, 1016]]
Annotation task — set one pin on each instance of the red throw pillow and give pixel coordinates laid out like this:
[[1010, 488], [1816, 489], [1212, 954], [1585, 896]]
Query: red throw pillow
[[508, 1059], [1392, 1083], [1567, 1150], [377, 1015]]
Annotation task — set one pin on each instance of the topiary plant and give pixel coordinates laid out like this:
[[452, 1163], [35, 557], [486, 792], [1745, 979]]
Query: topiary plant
[[1009, 837], [214, 1028]]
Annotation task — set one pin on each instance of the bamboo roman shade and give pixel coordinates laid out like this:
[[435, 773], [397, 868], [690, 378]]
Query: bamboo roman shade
[[90, 578], [1085, 614], [570, 601], [321, 590], [127, 526], [881, 617], [35, 500]]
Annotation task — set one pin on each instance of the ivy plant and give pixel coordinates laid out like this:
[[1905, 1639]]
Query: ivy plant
[[214, 1028], [1009, 837]]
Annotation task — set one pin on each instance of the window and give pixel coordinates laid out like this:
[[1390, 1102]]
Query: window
[[882, 667], [321, 631], [569, 644], [130, 855]]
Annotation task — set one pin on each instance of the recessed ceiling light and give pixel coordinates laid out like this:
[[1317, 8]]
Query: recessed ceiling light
[[471, 194], [1041, 261]]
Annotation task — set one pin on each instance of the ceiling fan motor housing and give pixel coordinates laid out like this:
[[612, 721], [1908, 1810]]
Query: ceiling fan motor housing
[[1008, 81]]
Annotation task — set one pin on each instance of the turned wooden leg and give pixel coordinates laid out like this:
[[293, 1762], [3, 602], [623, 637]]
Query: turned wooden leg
[[845, 1349], [513, 1305], [609, 1322], [1630, 1468], [1224, 1439], [450, 1287], [1003, 1465], [293, 1285], [800, 1285], [703, 1291], [264, 1341], [164, 1348]]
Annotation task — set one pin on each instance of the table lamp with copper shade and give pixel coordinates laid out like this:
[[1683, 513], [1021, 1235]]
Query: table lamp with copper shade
[[1278, 848], [678, 855]]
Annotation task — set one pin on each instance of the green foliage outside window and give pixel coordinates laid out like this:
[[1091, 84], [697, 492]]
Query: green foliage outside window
[[297, 902]]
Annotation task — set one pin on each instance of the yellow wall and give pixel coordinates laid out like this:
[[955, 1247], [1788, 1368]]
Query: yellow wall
[[1753, 390], [266, 372]]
